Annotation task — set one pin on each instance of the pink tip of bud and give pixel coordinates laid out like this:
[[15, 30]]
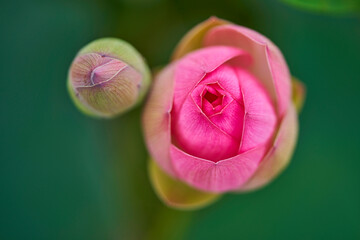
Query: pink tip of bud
[[107, 70]]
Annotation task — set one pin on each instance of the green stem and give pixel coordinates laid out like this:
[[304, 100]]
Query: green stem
[[169, 224], [147, 217]]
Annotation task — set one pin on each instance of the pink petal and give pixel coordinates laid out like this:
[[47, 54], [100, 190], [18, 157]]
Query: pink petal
[[279, 155], [107, 70], [226, 77], [269, 64], [192, 68], [222, 176], [260, 117], [196, 135], [230, 120], [156, 118]]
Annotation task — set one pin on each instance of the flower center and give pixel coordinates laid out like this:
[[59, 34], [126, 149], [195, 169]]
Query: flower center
[[213, 97]]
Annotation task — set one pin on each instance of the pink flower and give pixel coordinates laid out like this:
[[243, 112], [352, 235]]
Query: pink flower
[[220, 116]]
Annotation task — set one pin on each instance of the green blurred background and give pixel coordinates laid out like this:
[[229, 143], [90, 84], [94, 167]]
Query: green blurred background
[[66, 176]]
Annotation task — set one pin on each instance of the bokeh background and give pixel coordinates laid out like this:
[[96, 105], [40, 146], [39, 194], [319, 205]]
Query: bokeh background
[[66, 176]]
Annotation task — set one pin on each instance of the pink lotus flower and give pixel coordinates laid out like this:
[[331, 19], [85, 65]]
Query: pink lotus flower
[[220, 116]]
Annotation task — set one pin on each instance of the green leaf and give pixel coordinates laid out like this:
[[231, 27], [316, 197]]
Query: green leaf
[[327, 6], [177, 194]]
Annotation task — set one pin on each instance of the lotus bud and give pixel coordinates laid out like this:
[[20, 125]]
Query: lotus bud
[[108, 77], [227, 121]]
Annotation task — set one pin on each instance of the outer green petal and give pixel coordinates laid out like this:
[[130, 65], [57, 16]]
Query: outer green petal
[[80, 106], [298, 94], [194, 38], [177, 194], [279, 155]]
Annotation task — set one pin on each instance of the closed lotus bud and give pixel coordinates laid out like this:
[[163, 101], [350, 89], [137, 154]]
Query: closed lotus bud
[[107, 77]]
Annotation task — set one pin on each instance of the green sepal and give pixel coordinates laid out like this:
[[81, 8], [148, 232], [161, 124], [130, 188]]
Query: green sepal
[[298, 94], [177, 194]]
